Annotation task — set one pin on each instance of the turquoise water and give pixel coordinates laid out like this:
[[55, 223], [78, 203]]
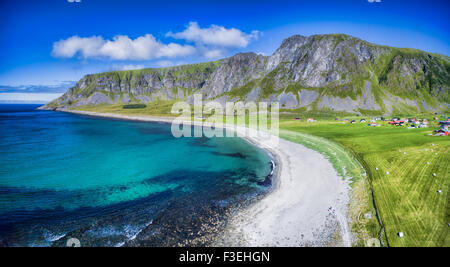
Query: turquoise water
[[60, 172]]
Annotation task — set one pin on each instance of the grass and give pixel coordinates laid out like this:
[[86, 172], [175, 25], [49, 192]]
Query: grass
[[155, 108], [134, 106], [406, 200], [348, 167]]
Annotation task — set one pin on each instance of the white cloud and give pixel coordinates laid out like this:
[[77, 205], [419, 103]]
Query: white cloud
[[120, 48], [28, 97], [164, 63], [215, 35], [127, 67], [58, 87], [86, 47], [213, 42], [213, 54], [132, 67]]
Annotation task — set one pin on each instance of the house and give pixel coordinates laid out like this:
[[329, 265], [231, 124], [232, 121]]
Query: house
[[443, 130], [397, 122], [422, 125]]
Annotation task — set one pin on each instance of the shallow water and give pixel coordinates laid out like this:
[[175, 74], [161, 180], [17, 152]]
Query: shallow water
[[114, 182]]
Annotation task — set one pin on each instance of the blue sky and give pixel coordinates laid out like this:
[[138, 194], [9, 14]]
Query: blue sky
[[51, 42]]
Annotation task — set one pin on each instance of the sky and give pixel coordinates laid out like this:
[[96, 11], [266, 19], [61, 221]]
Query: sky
[[49, 44]]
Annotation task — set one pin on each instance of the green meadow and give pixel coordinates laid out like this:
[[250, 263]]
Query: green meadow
[[400, 165], [156, 108], [400, 177]]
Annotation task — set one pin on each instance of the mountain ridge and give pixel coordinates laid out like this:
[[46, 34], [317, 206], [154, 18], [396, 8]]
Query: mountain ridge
[[334, 72]]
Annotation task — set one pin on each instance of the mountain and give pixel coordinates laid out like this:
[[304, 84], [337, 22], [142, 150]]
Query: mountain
[[321, 72]]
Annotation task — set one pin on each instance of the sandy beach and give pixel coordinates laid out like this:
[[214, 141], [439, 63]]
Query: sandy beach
[[307, 206]]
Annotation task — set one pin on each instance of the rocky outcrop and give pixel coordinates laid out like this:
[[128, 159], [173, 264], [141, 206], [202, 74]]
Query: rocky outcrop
[[330, 72], [337, 104], [307, 97], [233, 72], [253, 95], [287, 100], [95, 99]]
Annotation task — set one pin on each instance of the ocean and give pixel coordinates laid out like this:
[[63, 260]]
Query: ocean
[[110, 182]]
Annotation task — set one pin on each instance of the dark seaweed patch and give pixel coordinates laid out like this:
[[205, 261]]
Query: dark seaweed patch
[[233, 155]]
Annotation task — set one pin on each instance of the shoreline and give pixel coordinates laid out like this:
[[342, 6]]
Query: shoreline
[[306, 205]]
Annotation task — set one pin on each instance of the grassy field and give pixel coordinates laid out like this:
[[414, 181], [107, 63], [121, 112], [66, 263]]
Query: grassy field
[[156, 108], [391, 168], [349, 168], [400, 164]]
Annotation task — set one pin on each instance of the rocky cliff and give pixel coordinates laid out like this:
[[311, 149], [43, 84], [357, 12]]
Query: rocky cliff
[[320, 72]]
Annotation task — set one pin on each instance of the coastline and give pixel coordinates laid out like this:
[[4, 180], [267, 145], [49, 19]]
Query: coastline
[[307, 204]]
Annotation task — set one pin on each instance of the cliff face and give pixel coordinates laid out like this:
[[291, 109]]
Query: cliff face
[[320, 72]]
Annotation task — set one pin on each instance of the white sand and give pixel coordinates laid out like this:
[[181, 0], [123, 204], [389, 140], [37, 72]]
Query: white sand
[[297, 211]]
